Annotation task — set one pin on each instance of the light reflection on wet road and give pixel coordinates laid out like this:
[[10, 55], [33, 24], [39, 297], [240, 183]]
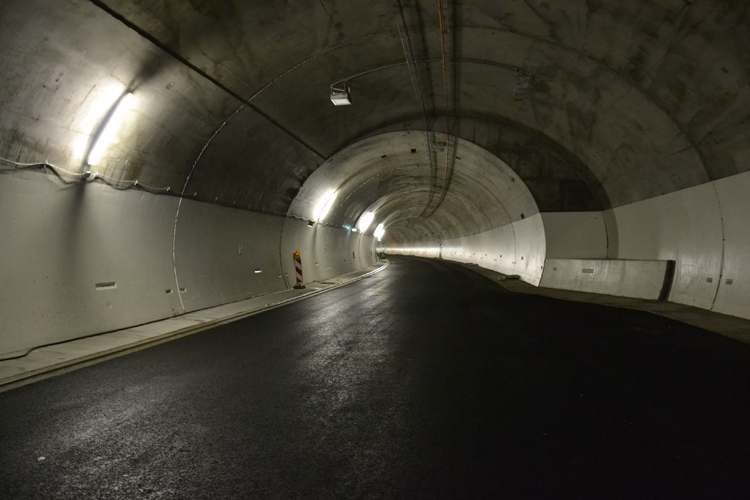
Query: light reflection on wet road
[[423, 381]]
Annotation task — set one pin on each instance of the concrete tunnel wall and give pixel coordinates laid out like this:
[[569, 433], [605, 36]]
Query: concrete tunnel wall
[[516, 248], [704, 229], [60, 240], [632, 148]]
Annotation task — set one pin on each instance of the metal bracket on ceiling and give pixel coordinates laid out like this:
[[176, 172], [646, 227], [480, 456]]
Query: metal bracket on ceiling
[[341, 93]]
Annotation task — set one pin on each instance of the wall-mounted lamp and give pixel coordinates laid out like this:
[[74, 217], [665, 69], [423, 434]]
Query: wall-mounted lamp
[[325, 204], [341, 94], [365, 220], [113, 124], [379, 231]]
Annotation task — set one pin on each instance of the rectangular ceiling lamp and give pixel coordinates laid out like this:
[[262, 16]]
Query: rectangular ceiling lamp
[[340, 94]]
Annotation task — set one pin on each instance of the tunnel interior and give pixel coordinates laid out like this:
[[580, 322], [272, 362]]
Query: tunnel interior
[[161, 157]]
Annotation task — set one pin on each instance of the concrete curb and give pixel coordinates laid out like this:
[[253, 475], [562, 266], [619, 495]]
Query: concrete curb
[[729, 326], [67, 366]]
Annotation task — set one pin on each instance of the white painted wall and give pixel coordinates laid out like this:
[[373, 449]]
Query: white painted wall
[[684, 226], [209, 264], [516, 248], [640, 279], [575, 235], [733, 296], [57, 241], [704, 229], [325, 251], [530, 249]]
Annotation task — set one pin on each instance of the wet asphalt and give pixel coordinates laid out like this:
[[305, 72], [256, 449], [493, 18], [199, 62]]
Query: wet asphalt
[[424, 381]]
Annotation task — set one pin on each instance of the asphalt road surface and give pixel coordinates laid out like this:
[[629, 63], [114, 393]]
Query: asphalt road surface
[[424, 381]]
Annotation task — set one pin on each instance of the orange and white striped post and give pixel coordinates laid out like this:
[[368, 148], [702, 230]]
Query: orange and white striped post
[[298, 270]]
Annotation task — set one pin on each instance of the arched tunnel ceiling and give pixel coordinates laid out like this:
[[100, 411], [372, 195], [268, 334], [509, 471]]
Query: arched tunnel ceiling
[[632, 99], [387, 175]]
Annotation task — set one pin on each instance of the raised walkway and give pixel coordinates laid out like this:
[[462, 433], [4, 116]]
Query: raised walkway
[[51, 360], [729, 326]]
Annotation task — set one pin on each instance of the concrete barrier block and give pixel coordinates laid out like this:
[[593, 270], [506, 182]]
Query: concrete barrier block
[[642, 279]]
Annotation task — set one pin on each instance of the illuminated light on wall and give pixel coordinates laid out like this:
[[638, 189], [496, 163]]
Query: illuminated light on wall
[[79, 147], [110, 128], [379, 231], [365, 221], [325, 204]]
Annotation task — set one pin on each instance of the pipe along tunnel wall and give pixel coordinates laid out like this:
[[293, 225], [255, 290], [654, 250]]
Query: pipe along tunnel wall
[[84, 258], [703, 229]]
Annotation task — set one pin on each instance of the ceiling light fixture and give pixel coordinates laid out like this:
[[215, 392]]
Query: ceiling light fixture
[[379, 231], [326, 202], [341, 94], [365, 220]]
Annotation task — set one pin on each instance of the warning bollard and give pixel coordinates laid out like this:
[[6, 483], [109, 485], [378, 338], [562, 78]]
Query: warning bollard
[[298, 270]]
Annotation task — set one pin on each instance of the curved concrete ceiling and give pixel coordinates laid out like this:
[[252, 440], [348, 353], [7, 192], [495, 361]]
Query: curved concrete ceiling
[[383, 174], [631, 99]]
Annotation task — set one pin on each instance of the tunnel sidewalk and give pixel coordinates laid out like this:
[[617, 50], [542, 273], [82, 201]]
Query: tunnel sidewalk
[[48, 361], [729, 326]]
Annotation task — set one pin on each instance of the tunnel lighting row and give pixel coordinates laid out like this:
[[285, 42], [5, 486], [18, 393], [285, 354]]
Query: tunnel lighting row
[[364, 222], [324, 206], [117, 114], [126, 103]]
